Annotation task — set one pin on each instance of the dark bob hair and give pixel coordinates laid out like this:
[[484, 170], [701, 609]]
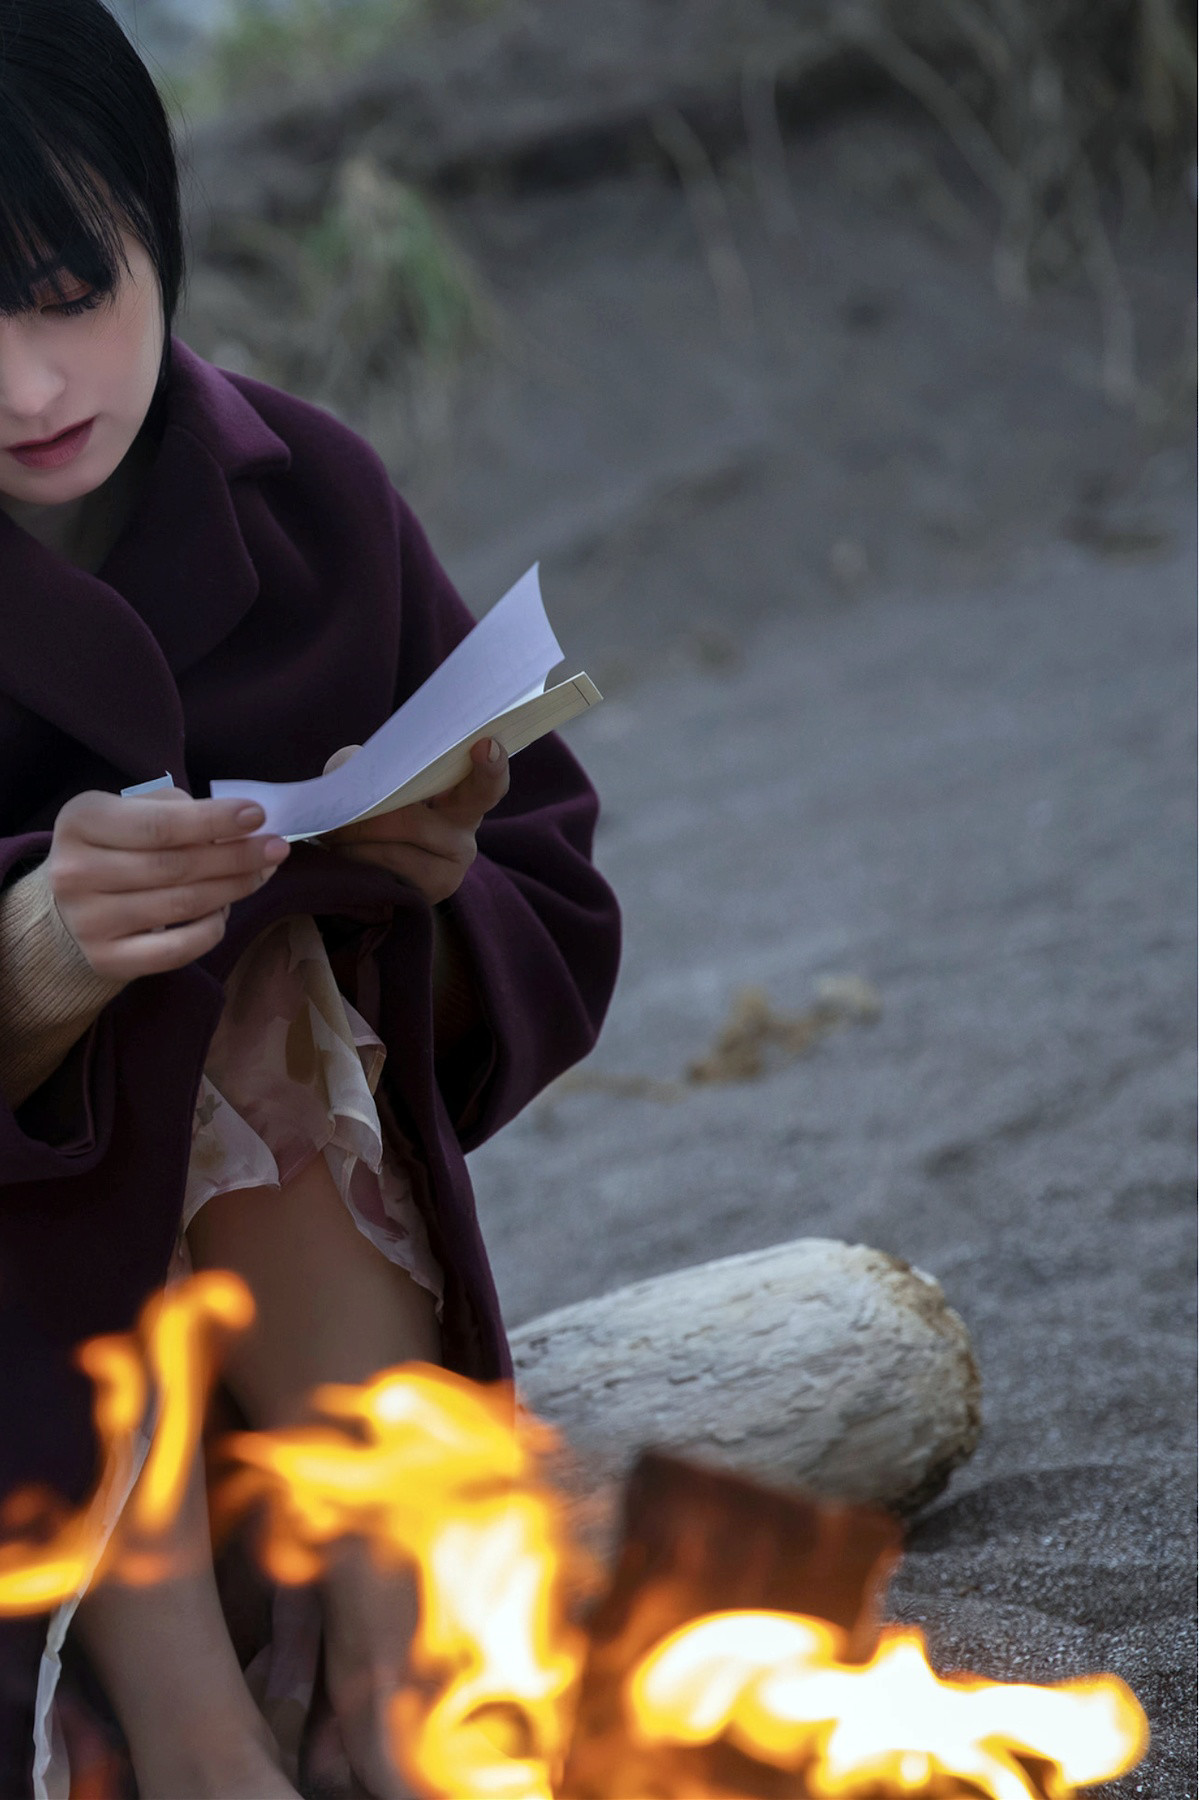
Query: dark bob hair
[[82, 132]]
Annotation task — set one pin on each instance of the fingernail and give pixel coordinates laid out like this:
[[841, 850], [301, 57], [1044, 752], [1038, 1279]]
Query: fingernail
[[493, 751], [276, 849], [250, 815]]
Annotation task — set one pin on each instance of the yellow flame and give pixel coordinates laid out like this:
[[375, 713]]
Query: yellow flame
[[442, 1475], [775, 1682], [56, 1555], [437, 1472], [57, 1550], [177, 1328], [489, 1618]]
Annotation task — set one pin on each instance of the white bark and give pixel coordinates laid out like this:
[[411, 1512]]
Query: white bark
[[816, 1364]]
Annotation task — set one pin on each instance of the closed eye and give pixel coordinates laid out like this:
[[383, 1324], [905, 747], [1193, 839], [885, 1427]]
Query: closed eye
[[66, 309]]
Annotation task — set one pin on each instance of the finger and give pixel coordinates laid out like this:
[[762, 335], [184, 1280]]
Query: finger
[[153, 822], [419, 828], [437, 877], [81, 866], [339, 757], [114, 917], [154, 952], [478, 792], [129, 947], [419, 823]]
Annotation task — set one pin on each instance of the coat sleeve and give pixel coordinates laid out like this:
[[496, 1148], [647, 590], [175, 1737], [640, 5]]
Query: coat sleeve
[[539, 924]]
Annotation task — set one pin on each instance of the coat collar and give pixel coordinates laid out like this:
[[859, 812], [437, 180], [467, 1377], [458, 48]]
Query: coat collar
[[99, 655]]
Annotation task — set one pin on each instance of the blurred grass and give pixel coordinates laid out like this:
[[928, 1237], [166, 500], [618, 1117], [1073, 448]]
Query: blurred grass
[[344, 303], [1076, 117], [385, 268]]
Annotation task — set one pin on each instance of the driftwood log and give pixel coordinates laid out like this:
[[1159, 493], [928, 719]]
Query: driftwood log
[[820, 1365]]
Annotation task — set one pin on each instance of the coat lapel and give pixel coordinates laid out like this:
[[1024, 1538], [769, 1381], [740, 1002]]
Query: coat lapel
[[99, 656]]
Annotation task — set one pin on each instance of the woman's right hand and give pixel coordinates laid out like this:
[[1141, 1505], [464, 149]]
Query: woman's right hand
[[145, 883]]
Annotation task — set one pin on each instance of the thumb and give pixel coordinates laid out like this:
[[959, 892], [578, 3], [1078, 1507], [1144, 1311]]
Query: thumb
[[339, 757]]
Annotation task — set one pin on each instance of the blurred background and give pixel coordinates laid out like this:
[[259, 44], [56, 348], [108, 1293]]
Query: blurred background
[[837, 359]]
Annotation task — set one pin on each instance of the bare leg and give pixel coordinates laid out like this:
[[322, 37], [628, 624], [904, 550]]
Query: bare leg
[[330, 1307], [164, 1656]]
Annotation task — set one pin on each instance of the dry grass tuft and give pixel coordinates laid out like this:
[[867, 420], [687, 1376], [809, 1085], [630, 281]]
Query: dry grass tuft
[[754, 1039], [1055, 105], [743, 1047], [386, 276], [351, 301]]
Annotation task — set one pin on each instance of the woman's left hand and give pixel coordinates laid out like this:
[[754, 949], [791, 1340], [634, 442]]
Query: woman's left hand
[[431, 844]]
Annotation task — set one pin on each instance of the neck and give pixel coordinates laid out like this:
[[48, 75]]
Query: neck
[[83, 531]]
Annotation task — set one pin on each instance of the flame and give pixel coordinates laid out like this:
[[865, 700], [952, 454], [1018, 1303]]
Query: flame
[[441, 1475], [57, 1552], [177, 1328], [776, 1684], [438, 1473]]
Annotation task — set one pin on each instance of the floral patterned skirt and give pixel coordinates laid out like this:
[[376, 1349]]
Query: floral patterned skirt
[[291, 1074]]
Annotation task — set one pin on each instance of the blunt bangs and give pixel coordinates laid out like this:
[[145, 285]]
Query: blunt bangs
[[55, 222]]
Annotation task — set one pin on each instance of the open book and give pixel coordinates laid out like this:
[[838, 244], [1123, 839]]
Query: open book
[[493, 684]]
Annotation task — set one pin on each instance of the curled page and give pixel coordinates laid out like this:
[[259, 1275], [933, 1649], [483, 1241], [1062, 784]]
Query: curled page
[[491, 685]]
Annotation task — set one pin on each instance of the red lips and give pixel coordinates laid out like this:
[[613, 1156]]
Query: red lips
[[41, 443]]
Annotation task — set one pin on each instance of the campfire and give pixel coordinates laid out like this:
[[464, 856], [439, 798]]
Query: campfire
[[735, 1649]]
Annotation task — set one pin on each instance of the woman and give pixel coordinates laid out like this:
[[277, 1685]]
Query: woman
[[214, 1049]]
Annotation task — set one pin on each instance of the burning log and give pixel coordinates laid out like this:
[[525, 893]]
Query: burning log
[[739, 1655], [825, 1365], [697, 1541]]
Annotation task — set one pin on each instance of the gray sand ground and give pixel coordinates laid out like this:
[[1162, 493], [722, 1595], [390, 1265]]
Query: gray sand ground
[[981, 804], [956, 762]]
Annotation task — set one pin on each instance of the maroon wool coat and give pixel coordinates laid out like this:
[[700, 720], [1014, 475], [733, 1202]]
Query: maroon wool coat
[[272, 599]]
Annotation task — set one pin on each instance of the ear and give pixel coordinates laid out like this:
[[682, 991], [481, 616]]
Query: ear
[[339, 757]]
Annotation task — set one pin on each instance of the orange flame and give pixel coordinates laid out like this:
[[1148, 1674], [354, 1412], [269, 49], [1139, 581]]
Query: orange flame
[[437, 1472], [442, 1475], [177, 1329], [58, 1552], [775, 1682]]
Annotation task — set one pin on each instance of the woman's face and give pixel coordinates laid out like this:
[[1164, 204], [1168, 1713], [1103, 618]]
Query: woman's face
[[64, 365]]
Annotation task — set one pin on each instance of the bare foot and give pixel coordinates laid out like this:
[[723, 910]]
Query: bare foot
[[370, 1619], [253, 1781], [242, 1769]]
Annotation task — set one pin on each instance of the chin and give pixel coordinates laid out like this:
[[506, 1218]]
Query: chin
[[59, 487]]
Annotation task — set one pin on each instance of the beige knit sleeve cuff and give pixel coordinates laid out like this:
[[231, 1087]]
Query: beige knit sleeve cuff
[[49, 992]]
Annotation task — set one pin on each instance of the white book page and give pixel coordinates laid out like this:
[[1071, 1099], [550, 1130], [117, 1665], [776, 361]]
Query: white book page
[[520, 725], [501, 664]]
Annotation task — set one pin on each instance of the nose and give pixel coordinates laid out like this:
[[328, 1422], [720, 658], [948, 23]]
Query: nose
[[30, 383]]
